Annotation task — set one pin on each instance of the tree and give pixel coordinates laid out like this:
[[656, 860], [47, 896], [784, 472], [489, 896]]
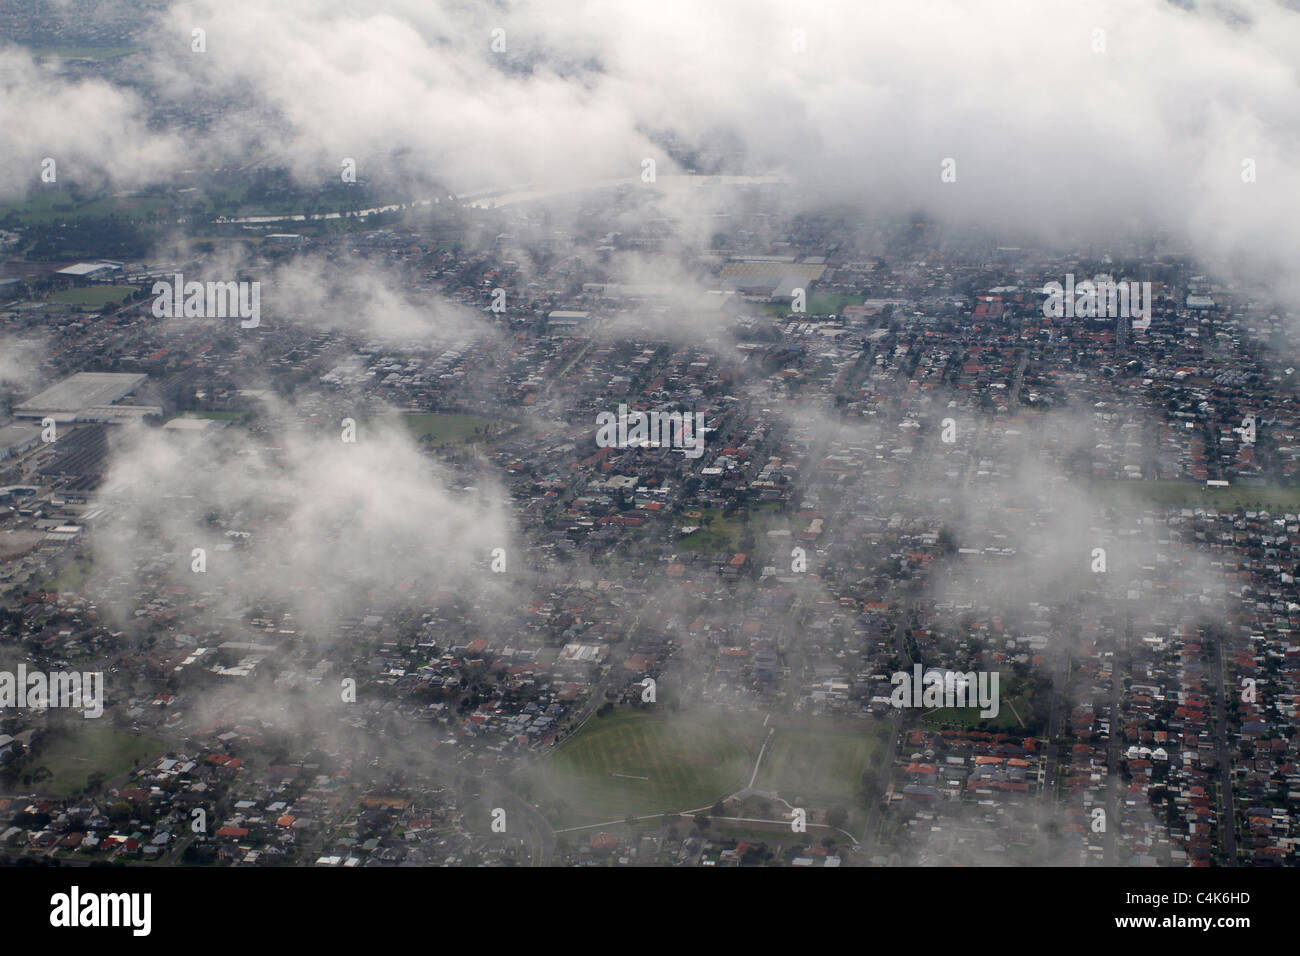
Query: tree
[[702, 821], [755, 853], [719, 810]]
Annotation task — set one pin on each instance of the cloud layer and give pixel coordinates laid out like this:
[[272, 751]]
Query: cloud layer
[[1075, 120]]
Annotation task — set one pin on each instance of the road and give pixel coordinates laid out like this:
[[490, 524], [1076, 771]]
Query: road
[[1114, 783], [870, 832], [1060, 677], [1227, 810]]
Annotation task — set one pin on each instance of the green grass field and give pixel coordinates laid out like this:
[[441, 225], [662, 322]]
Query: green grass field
[[719, 535], [50, 207], [772, 834], [72, 576], [818, 304], [633, 762], [819, 768], [93, 296], [1194, 494], [725, 534], [74, 756], [233, 202], [1013, 699], [444, 428]]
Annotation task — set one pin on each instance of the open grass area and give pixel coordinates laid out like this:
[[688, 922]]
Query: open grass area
[[818, 304], [93, 296], [634, 762], [50, 207], [234, 201], [820, 768], [1014, 698], [718, 533], [1194, 494], [774, 834], [72, 757], [446, 428], [72, 576]]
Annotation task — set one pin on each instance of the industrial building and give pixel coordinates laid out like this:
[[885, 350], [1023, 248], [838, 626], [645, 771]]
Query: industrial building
[[89, 397], [17, 438], [562, 319], [90, 271]]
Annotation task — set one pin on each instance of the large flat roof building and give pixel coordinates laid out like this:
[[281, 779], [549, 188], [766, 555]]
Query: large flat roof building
[[90, 270], [65, 400]]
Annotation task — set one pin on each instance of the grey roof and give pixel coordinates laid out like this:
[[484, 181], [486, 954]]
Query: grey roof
[[83, 390]]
